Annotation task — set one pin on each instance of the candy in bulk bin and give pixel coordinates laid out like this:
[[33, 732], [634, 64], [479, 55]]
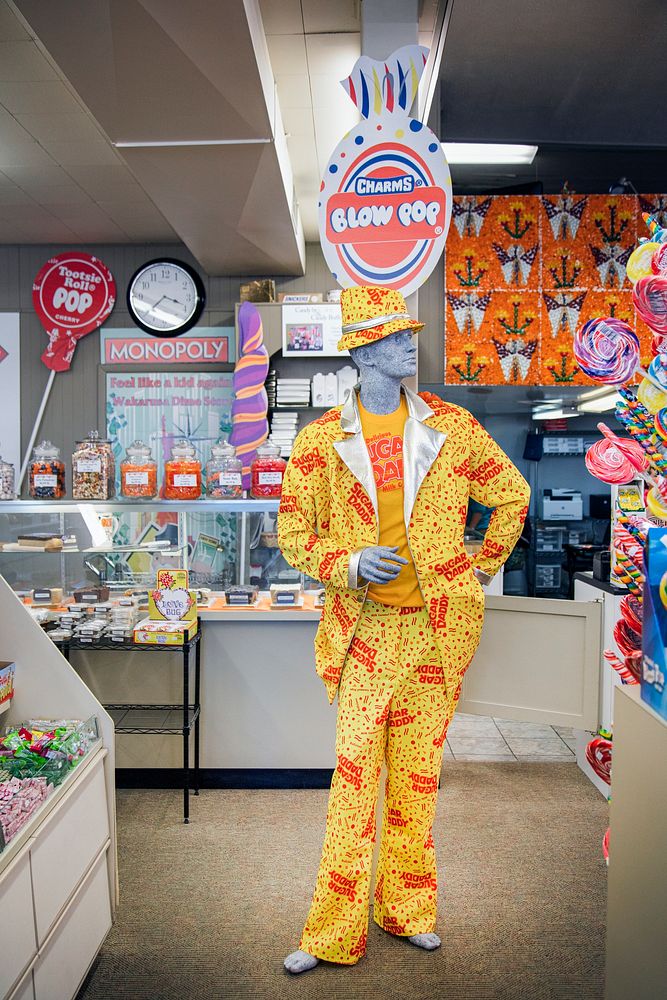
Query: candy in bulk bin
[[267, 471], [138, 472], [224, 472], [47, 473], [93, 469], [182, 473], [7, 481]]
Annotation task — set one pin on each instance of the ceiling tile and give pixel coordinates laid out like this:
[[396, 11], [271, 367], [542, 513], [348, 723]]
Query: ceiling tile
[[46, 231], [99, 182], [11, 132], [297, 121], [287, 54], [323, 15], [11, 29], [330, 96], [141, 232], [43, 97], [333, 54], [293, 91], [29, 212], [19, 155], [23, 61], [48, 173], [75, 126], [11, 194], [93, 153], [281, 17], [309, 220]]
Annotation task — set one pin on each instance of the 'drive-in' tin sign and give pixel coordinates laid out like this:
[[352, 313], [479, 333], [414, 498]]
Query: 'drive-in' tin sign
[[386, 196]]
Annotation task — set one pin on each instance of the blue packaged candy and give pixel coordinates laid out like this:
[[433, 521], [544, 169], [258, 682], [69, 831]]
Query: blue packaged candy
[[654, 622]]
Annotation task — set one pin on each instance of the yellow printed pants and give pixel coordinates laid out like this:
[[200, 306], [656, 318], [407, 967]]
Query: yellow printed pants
[[393, 705]]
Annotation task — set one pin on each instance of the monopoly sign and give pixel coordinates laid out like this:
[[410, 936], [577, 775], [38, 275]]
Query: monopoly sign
[[134, 347], [386, 197]]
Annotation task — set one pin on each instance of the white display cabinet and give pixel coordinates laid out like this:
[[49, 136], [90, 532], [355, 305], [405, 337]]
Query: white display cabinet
[[58, 875]]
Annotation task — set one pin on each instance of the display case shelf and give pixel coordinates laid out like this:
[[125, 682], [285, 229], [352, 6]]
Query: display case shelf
[[152, 720], [245, 505], [93, 550]]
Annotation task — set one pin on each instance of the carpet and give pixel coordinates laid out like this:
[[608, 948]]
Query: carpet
[[210, 910]]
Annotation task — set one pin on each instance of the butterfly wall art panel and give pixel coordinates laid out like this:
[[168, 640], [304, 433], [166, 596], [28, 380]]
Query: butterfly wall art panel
[[522, 273]]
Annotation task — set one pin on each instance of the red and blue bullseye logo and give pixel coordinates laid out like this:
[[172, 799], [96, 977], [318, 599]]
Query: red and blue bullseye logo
[[385, 205]]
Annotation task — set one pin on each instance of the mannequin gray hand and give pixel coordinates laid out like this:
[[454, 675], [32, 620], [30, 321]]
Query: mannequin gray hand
[[380, 563]]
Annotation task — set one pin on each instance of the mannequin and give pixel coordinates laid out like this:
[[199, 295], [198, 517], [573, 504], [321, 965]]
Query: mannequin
[[374, 505]]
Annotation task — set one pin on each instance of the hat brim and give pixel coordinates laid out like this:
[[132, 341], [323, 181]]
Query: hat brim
[[361, 338]]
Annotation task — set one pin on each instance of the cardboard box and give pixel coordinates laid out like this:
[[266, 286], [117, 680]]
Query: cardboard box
[[304, 298], [172, 600], [152, 633], [654, 622], [262, 290]]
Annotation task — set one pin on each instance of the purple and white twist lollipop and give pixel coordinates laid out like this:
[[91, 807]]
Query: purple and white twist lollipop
[[607, 350]]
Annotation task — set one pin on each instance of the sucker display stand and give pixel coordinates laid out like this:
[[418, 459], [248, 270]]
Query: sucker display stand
[[58, 875]]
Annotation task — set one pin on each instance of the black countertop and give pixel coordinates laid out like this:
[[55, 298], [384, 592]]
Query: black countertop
[[609, 588]]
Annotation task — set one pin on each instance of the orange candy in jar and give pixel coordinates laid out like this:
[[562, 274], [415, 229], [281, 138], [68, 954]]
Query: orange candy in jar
[[47, 473], [267, 471], [138, 472], [182, 473]]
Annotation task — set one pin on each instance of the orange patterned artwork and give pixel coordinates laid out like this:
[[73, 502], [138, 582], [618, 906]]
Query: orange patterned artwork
[[523, 272]]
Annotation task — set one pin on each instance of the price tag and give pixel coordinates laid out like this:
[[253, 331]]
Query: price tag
[[229, 478], [136, 478], [42, 479], [89, 465], [270, 478], [185, 479]]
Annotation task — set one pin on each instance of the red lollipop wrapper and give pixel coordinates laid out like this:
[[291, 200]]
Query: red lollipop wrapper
[[631, 610], [627, 640], [605, 845], [650, 298], [659, 260], [598, 755], [633, 663]]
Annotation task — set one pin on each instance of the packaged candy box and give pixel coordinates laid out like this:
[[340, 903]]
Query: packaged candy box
[[6, 683], [654, 622]]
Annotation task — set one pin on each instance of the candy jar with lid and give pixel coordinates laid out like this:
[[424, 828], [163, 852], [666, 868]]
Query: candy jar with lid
[[6, 481], [47, 473], [224, 472], [93, 469], [138, 472], [267, 471], [182, 473]]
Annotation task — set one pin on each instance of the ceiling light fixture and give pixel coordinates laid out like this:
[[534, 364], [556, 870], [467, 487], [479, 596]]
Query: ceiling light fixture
[[599, 404], [488, 152], [559, 413], [123, 144]]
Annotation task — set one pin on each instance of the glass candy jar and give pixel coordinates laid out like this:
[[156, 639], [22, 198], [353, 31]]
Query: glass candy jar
[[7, 481], [267, 471], [138, 472], [224, 472], [47, 473], [93, 469], [182, 473]]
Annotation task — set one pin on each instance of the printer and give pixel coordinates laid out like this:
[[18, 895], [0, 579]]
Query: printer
[[562, 505]]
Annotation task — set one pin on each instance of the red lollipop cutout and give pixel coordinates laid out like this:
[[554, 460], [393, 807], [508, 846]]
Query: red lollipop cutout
[[650, 298], [72, 294]]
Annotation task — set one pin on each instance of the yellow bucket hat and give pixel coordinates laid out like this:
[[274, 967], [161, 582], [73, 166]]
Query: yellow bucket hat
[[370, 313]]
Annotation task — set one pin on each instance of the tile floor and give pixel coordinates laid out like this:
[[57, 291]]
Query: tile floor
[[477, 737]]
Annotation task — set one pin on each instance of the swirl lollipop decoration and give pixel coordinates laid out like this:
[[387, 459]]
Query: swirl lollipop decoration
[[607, 350], [598, 755], [659, 260], [650, 298], [249, 424]]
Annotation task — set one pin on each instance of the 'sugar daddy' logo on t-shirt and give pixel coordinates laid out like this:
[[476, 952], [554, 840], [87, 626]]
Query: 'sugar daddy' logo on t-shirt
[[386, 454]]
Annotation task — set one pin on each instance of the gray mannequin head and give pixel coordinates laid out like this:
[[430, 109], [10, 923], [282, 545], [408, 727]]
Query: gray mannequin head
[[382, 365]]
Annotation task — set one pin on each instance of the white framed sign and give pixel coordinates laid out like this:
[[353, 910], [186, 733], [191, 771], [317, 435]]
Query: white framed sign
[[10, 390], [311, 330]]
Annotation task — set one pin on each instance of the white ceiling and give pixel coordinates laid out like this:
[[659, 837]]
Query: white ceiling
[[61, 180]]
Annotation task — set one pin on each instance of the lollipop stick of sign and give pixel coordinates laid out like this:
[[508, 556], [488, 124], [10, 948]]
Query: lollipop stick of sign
[[35, 427]]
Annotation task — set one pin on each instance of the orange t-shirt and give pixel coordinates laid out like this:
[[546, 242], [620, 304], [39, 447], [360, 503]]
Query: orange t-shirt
[[383, 434]]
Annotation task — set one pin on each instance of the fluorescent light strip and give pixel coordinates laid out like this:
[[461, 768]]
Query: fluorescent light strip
[[122, 144], [488, 152], [559, 414], [599, 404]]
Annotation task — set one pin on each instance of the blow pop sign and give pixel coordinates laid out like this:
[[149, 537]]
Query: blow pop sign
[[386, 197], [72, 295]]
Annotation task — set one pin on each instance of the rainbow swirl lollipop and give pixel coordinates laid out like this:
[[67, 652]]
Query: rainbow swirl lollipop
[[659, 260], [660, 421], [650, 298], [249, 423], [607, 350]]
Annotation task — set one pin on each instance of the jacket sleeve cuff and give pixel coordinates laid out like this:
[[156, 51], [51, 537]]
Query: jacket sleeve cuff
[[353, 570], [483, 578]]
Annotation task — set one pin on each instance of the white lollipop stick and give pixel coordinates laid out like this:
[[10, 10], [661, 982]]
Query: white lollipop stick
[[651, 379], [35, 429]]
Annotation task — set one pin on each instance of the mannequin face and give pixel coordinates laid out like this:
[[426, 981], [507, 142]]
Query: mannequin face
[[394, 356]]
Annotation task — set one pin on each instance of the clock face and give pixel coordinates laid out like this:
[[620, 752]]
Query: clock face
[[166, 297]]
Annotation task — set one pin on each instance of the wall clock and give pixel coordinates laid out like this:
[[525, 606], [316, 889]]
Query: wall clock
[[165, 297]]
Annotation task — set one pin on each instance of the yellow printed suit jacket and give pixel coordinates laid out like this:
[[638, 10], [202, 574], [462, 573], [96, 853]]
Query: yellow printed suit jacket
[[328, 515]]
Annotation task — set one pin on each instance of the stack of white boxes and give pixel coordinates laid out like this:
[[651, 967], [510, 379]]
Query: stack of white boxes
[[293, 392], [284, 430]]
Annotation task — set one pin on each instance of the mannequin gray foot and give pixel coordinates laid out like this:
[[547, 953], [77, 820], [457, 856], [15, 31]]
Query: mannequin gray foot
[[429, 942], [300, 961]]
